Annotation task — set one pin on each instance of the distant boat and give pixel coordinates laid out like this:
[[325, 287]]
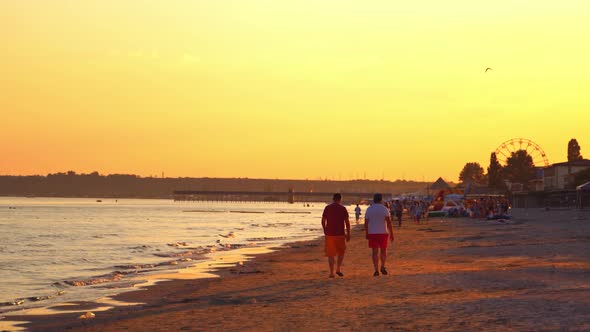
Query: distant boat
[[99, 201]]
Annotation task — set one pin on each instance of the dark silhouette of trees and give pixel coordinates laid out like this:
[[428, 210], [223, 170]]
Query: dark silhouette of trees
[[520, 167], [95, 185], [495, 172], [573, 150], [472, 173]]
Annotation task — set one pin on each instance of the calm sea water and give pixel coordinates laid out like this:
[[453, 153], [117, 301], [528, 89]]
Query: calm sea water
[[56, 250]]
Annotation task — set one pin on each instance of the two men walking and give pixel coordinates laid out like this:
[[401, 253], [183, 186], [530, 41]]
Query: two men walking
[[336, 225]]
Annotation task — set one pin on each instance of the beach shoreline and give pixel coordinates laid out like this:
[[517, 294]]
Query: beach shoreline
[[214, 265], [57, 251], [446, 274]]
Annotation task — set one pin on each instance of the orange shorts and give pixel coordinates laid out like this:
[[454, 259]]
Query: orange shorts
[[335, 245]]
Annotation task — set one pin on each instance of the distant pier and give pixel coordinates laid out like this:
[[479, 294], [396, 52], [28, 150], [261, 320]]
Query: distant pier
[[266, 196]]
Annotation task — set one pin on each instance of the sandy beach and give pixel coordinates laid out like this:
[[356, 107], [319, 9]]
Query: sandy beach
[[529, 274]]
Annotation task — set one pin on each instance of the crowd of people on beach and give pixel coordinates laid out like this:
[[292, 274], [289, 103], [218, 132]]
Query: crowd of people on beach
[[416, 209], [490, 208], [378, 223]]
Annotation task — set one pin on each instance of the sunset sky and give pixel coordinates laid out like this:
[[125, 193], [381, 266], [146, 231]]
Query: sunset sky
[[288, 89]]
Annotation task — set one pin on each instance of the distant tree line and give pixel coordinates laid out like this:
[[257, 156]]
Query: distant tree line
[[71, 184]]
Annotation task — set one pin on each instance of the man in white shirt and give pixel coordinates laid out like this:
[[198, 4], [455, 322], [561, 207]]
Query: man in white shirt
[[377, 224]]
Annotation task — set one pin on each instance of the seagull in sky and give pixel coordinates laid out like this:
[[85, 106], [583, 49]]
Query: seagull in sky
[[488, 69]]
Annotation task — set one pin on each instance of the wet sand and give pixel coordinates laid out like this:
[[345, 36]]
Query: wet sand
[[530, 274]]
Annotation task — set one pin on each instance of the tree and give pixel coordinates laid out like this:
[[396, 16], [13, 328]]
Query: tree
[[472, 173], [573, 150], [495, 172], [519, 167]]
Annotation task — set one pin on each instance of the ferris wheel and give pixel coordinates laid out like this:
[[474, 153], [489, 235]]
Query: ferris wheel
[[506, 149]]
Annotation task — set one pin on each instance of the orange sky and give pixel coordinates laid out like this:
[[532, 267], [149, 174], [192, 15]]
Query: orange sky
[[288, 89]]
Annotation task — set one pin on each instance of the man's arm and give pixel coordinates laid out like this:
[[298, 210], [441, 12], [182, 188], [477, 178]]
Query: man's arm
[[366, 227], [347, 229], [389, 227], [324, 223]]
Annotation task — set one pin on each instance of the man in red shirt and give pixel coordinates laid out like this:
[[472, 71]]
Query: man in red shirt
[[334, 219]]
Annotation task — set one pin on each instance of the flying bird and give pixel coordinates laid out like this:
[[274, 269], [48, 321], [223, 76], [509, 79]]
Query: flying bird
[[488, 69]]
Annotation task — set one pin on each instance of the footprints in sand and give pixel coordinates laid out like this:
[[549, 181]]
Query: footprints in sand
[[442, 291], [431, 230]]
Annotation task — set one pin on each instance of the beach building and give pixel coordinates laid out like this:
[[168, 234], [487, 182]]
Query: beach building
[[561, 176], [559, 187], [583, 193], [477, 190]]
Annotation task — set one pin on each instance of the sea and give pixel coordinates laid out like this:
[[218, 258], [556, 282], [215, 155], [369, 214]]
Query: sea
[[58, 250]]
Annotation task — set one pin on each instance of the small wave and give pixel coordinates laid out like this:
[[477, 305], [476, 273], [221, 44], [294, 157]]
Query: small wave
[[257, 212], [274, 225], [102, 236], [45, 297], [135, 269], [203, 211], [19, 302], [12, 303], [139, 247], [293, 212], [51, 236], [114, 276], [199, 252], [228, 235], [135, 266], [259, 239], [178, 244], [236, 245]]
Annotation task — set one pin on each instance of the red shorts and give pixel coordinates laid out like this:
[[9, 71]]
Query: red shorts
[[378, 241], [335, 245]]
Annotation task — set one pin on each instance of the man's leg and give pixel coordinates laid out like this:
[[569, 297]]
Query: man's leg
[[331, 263], [376, 259], [339, 266], [383, 257]]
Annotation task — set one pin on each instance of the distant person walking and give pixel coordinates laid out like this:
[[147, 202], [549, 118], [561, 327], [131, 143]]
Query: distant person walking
[[378, 230], [417, 212], [357, 213], [399, 210], [334, 221]]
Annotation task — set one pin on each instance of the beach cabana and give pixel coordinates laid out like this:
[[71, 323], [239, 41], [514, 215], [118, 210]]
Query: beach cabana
[[583, 194], [440, 184]]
